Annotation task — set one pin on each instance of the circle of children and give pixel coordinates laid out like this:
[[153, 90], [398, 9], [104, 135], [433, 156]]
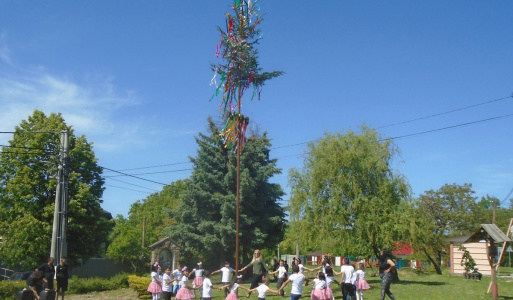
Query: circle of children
[[176, 283]]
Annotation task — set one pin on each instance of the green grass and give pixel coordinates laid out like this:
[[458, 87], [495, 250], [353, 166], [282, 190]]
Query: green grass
[[412, 285]]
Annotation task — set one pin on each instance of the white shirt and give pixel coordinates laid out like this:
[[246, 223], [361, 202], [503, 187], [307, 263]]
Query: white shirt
[[234, 287], [166, 287], [207, 288], [297, 280], [281, 272], [225, 277], [329, 280], [198, 272], [262, 290], [177, 274], [348, 271], [300, 266], [319, 284], [360, 274], [153, 275]]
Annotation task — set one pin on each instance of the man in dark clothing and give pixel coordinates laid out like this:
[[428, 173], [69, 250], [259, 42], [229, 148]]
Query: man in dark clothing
[[35, 283], [62, 278], [48, 271]]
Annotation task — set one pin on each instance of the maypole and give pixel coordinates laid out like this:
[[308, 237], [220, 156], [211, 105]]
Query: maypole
[[238, 72]]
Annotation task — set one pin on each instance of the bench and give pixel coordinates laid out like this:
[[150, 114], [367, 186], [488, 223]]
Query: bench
[[471, 275]]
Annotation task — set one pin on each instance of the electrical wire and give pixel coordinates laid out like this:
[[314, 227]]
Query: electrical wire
[[507, 197], [134, 184], [126, 189], [161, 172], [130, 175]]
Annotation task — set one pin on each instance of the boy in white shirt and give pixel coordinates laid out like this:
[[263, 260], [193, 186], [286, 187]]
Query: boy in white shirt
[[282, 275], [261, 289], [225, 276]]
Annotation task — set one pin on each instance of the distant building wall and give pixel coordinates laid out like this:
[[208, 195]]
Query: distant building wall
[[100, 267], [478, 253]]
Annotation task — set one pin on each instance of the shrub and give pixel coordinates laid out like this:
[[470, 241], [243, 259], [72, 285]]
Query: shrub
[[140, 285], [9, 289], [88, 285]]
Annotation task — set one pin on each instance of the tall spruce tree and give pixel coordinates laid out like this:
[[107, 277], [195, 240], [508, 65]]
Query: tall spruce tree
[[206, 214]]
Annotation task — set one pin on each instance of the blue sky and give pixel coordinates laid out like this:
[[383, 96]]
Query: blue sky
[[134, 78]]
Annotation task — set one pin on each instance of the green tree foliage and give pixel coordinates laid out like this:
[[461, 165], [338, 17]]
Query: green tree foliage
[[450, 211], [28, 167], [206, 215], [346, 198], [126, 239], [503, 215]]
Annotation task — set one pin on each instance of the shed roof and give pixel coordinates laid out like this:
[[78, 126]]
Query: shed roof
[[489, 231]]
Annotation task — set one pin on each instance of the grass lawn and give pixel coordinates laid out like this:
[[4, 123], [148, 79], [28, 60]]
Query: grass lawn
[[412, 285]]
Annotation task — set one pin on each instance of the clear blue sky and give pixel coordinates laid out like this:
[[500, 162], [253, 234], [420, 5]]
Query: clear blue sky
[[133, 77]]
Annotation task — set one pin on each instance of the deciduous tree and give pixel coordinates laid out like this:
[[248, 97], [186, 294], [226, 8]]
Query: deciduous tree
[[345, 200], [28, 166]]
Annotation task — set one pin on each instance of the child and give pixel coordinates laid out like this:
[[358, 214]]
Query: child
[[330, 276], [167, 287], [177, 277], [184, 293], [207, 286], [261, 289], [321, 291], [282, 275], [198, 278], [297, 280], [233, 287], [155, 287], [361, 283], [225, 276]]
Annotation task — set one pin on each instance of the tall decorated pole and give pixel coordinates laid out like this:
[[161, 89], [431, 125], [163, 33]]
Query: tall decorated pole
[[238, 72]]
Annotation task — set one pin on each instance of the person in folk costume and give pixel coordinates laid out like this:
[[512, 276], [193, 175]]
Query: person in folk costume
[[155, 287]]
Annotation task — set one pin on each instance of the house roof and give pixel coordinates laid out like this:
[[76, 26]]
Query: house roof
[[402, 249], [489, 231], [316, 253]]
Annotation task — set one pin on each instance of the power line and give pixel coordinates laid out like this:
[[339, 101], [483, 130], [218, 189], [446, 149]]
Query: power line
[[506, 198], [126, 188], [157, 166], [125, 174], [171, 171], [446, 112], [133, 184]]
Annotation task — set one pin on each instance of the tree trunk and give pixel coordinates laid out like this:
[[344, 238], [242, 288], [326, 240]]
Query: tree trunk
[[436, 265]]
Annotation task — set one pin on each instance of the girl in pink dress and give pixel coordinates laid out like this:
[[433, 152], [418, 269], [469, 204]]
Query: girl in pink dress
[[321, 290], [233, 287], [361, 283], [184, 292], [155, 287]]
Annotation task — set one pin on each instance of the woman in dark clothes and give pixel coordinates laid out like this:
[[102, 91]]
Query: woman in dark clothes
[[386, 269]]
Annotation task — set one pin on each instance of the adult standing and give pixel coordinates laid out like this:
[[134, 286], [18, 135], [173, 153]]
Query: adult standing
[[386, 269], [62, 278], [297, 280], [259, 269], [48, 270], [346, 283]]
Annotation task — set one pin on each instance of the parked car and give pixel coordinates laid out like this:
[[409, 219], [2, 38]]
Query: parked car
[[20, 276]]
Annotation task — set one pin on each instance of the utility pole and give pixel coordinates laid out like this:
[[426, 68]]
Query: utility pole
[[59, 247]]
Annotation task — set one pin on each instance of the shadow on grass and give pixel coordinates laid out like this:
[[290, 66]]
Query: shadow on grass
[[406, 282]]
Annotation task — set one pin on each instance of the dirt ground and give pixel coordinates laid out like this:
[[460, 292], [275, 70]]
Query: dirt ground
[[121, 294]]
